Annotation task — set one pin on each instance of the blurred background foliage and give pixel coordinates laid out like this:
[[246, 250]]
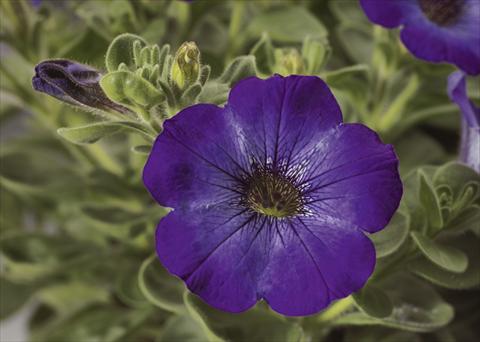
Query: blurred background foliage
[[77, 226]]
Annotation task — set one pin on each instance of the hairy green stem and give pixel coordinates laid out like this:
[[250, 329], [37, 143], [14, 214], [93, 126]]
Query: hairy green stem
[[336, 309], [236, 17]]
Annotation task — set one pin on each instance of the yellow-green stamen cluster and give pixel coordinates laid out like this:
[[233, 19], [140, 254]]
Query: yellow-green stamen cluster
[[271, 194]]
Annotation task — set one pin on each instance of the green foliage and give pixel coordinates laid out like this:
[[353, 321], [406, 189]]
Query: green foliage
[[391, 238], [443, 205], [240, 68], [131, 89], [310, 60], [467, 279], [122, 51], [13, 296], [287, 25], [430, 202], [182, 328], [416, 307], [33, 257], [446, 257], [159, 287], [315, 53], [255, 325], [373, 301], [59, 296], [264, 55], [90, 134]]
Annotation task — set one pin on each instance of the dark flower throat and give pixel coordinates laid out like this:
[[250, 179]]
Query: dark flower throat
[[272, 194], [442, 12]]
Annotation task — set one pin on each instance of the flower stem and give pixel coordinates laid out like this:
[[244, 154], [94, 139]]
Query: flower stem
[[235, 24], [336, 309]]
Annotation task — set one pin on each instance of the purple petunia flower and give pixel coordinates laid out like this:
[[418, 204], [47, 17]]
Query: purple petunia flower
[[470, 139], [74, 83], [271, 196], [434, 30]]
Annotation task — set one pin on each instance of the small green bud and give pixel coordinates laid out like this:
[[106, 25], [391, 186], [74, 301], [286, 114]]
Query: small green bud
[[186, 65], [288, 61]]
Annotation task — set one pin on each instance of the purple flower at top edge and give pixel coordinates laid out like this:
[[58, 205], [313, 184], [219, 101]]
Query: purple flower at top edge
[[470, 136], [74, 83], [434, 30], [272, 195]]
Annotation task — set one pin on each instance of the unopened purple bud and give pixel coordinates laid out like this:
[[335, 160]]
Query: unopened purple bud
[[74, 83], [470, 139]]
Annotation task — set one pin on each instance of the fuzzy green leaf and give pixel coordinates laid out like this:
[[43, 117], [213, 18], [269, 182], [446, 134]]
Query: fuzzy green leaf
[[12, 297], [449, 258], [205, 71], [357, 41], [254, 325], [338, 77], [214, 92], [121, 50], [287, 24], [106, 323], [113, 215], [349, 81], [416, 307], [69, 297], [347, 11], [130, 89], [160, 287], [182, 328], [128, 290], [315, 53], [240, 68], [430, 202], [88, 134], [190, 96], [31, 257], [468, 279], [417, 148], [456, 175], [468, 219], [91, 133], [373, 301], [263, 52], [392, 237]]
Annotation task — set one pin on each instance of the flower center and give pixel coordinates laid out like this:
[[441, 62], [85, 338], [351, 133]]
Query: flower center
[[271, 194], [441, 12]]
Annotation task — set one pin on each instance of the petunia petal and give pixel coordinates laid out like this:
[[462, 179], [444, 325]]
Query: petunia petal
[[352, 174], [390, 13], [457, 91], [194, 161], [459, 45], [470, 136], [317, 260], [219, 252], [280, 116]]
